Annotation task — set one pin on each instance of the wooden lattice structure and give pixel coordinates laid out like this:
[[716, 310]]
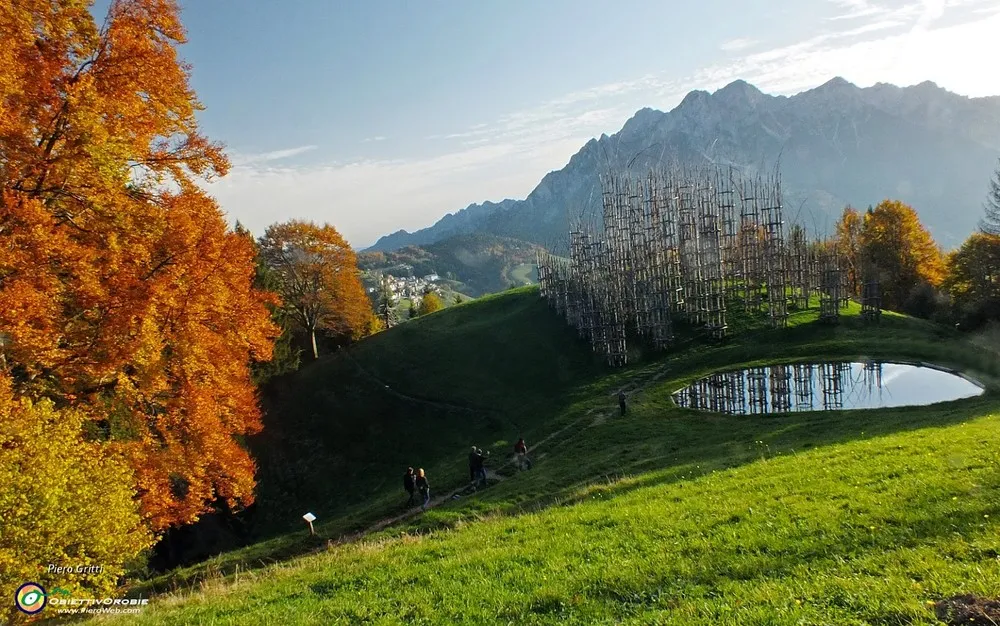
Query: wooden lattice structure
[[685, 245], [871, 297], [834, 284]]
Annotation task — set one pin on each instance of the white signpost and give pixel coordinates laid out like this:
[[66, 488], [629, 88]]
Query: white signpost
[[310, 518]]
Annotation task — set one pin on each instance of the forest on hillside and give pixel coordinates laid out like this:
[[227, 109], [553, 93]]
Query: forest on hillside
[[480, 263]]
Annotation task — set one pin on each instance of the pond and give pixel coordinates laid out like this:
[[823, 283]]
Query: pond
[[825, 387]]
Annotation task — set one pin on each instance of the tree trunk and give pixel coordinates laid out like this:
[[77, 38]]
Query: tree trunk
[[312, 334]]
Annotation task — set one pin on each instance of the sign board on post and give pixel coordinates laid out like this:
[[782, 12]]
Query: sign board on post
[[310, 518]]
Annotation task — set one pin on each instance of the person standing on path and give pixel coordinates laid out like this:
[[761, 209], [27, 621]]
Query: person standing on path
[[424, 487], [410, 484], [521, 450], [481, 466], [473, 465], [621, 401]]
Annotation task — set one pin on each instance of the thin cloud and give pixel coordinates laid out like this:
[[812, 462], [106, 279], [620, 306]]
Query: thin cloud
[[933, 11], [372, 139], [856, 9], [738, 45], [950, 56], [266, 157], [872, 27]]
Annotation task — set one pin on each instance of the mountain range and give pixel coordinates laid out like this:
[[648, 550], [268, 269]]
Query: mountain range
[[836, 144]]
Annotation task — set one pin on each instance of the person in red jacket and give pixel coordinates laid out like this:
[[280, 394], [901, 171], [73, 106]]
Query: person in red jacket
[[521, 452]]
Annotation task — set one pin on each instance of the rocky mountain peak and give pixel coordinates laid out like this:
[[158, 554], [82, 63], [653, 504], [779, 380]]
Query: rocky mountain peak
[[740, 93]]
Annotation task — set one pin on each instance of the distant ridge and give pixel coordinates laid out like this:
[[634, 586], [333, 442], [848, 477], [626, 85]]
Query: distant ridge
[[463, 222]]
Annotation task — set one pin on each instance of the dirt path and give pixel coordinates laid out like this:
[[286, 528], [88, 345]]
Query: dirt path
[[408, 398]]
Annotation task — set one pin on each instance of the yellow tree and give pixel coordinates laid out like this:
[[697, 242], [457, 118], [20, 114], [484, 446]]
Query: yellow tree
[[430, 302], [125, 295], [63, 500], [318, 279], [901, 251]]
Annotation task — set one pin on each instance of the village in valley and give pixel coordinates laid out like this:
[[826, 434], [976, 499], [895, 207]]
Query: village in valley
[[397, 294], [410, 287]]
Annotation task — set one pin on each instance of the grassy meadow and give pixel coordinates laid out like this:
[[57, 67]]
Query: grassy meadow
[[665, 516]]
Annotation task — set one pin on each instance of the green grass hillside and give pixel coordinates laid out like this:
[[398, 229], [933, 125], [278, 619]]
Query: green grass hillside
[[340, 432], [665, 516], [336, 439]]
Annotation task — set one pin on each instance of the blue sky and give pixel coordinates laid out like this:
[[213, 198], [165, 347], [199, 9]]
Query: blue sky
[[376, 115]]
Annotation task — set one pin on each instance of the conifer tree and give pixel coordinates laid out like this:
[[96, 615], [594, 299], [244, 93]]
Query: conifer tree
[[385, 308], [990, 224]]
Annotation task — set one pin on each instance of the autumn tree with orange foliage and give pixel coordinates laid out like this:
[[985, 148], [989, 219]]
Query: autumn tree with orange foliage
[[901, 251], [126, 297], [318, 280]]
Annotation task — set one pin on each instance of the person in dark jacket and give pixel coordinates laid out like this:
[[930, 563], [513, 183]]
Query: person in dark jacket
[[424, 487], [410, 484], [521, 452], [473, 464], [621, 401], [480, 467]]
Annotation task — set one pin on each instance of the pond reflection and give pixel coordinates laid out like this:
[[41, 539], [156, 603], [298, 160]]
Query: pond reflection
[[824, 386]]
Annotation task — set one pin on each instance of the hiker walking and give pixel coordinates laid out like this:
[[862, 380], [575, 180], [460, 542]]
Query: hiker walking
[[621, 401], [410, 485], [480, 468], [424, 487], [473, 465], [521, 450]]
